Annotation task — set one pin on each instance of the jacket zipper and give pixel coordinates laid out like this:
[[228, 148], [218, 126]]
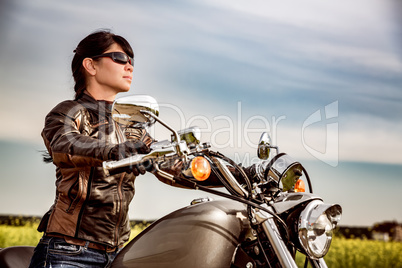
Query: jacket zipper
[[119, 190], [85, 201], [120, 139]]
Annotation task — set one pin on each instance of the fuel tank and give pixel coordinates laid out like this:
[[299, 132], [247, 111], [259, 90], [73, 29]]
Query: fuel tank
[[200, 235]]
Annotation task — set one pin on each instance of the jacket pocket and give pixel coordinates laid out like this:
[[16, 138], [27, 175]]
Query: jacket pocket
[[77, 192]]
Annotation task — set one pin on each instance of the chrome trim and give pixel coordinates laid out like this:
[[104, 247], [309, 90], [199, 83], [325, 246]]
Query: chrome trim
[[229, 177], [164, 174], [201, 200], [309, 216], [126, 110], [135, 159], [180, 146], [271, 230], [193, 133], [287, 201]]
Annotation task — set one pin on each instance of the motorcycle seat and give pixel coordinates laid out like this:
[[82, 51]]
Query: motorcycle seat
[[15, 257]]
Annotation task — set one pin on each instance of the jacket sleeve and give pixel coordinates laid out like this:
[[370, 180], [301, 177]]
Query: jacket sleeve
[[67, 146], [138, 134]]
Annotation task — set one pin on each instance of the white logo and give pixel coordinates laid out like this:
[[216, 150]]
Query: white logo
[[330, 155]]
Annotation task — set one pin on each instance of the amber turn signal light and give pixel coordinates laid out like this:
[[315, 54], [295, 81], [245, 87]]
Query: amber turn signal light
[[300, 187], [200, 168]]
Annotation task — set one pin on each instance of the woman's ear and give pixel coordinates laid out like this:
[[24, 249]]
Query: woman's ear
[[89, 66]]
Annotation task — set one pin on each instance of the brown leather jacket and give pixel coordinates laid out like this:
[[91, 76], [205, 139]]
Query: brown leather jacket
[[89, 205]]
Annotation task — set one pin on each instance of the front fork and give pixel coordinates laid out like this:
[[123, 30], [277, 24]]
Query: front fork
[[320, 263], [275, 238]]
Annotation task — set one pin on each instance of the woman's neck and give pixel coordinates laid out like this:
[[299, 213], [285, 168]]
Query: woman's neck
[[101, 94]]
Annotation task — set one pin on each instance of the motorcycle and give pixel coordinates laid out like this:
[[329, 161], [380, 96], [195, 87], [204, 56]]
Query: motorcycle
[[264, 218]]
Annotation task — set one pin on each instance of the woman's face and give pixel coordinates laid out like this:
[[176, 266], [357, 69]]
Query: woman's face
[[113, 76]]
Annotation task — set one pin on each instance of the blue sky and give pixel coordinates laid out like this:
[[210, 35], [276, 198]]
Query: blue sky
[[231, 67]]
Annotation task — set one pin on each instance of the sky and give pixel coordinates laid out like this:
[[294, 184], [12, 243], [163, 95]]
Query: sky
[[324, 78]]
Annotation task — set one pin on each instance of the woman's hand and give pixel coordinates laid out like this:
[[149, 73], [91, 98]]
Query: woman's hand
[[128, 148]]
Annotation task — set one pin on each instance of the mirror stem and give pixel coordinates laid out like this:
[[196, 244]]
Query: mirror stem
[[166, 126]]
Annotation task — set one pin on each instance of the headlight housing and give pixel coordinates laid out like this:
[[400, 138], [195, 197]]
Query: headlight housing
[[316, 224]]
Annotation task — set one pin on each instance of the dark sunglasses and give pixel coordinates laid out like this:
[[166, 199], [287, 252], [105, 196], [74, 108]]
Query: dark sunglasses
[[118, 57]]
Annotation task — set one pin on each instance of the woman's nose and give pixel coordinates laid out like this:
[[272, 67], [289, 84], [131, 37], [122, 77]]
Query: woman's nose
[[129, 67]]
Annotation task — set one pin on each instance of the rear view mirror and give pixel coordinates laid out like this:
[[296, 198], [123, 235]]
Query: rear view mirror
[[126, 110], [264, 146]]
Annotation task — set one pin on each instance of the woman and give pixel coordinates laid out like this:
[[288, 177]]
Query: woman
[[88, 222]]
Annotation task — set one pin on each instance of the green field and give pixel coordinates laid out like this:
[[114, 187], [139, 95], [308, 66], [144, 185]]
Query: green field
[[356, 253], [343, 253]]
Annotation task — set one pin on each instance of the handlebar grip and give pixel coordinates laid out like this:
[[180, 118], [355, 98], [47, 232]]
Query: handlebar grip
[[138, 159], [114, 167], [118, 170]]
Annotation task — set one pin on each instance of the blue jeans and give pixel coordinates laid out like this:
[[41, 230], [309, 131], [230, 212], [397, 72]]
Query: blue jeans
[[56, 252]]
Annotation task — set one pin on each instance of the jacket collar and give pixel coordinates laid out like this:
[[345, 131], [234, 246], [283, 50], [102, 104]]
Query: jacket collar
[[98, 105]]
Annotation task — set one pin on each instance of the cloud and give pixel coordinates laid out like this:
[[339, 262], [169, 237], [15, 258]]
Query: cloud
[[233, 67], [277, 58]]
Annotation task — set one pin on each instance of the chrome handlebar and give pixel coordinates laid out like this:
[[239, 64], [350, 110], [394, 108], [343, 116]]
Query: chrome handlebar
[[136, 159]]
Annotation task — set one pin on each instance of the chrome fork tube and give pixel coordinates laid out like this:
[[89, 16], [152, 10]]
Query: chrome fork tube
[[320, 263], [271, 230]]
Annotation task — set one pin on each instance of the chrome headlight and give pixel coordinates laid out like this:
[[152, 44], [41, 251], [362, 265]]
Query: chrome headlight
[[316, 224]]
